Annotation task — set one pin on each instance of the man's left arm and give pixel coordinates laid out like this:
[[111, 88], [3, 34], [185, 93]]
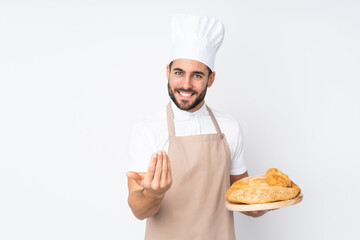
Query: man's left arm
[[234, 178]]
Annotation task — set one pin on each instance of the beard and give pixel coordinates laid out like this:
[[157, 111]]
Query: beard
[[185, 104]]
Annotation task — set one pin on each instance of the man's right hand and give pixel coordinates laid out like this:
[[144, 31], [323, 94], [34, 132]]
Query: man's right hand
[[157, 180]]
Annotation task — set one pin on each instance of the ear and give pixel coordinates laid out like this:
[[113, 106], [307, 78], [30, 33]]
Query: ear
[[211, 79], [167, 71]]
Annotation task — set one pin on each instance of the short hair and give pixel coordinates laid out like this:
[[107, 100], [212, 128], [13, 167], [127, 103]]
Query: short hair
[[210, 72]]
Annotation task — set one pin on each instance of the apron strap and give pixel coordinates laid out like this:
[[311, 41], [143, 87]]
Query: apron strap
[[213, 120], [170, 120]]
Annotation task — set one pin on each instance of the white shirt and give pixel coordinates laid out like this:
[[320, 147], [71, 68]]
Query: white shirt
[[151, 135]]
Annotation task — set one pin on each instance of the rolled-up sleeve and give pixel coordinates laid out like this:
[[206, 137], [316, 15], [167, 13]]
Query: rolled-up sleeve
[[238, 165]]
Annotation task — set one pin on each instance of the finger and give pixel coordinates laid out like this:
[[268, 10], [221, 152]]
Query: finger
[[169, 175], [158, 170], [163, 181], [134, 175], [258, 213], [151, 169]]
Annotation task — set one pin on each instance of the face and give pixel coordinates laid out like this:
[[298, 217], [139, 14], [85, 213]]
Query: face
[[188, 81]]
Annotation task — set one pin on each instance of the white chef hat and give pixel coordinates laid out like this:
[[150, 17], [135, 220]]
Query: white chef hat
[[196, 38]]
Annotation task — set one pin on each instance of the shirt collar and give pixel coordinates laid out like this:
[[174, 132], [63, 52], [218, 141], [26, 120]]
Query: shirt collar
[[185, 115]]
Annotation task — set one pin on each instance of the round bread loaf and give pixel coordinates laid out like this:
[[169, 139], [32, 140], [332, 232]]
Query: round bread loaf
[[271, 187]]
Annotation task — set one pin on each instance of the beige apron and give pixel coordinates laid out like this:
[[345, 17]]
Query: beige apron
[[194, 206]]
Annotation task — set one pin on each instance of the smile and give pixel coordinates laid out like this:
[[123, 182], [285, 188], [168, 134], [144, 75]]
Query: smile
[[184, 94]]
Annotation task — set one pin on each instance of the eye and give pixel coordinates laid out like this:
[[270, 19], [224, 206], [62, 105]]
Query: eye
[[198, 76], [177, 73]]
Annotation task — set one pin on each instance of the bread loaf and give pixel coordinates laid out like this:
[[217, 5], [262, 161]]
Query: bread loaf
[[271, 187]]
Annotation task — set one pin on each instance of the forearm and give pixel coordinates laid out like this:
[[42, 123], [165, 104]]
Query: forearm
[[144, 204]]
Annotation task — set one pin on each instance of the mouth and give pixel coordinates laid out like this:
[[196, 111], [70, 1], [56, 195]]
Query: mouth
[[185, 95]]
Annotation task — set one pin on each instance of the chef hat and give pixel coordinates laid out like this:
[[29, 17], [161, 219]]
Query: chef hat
[[196, 38]]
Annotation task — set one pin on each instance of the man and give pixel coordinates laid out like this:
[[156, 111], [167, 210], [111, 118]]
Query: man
[[198, 152]]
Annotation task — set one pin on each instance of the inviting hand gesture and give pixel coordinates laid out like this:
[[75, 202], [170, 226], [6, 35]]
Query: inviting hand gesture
[[157, 180]]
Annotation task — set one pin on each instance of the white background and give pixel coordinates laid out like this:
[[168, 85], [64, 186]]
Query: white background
[[75, 75]]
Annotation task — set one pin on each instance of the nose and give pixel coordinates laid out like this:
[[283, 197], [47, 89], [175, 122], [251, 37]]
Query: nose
[[187, 82]]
